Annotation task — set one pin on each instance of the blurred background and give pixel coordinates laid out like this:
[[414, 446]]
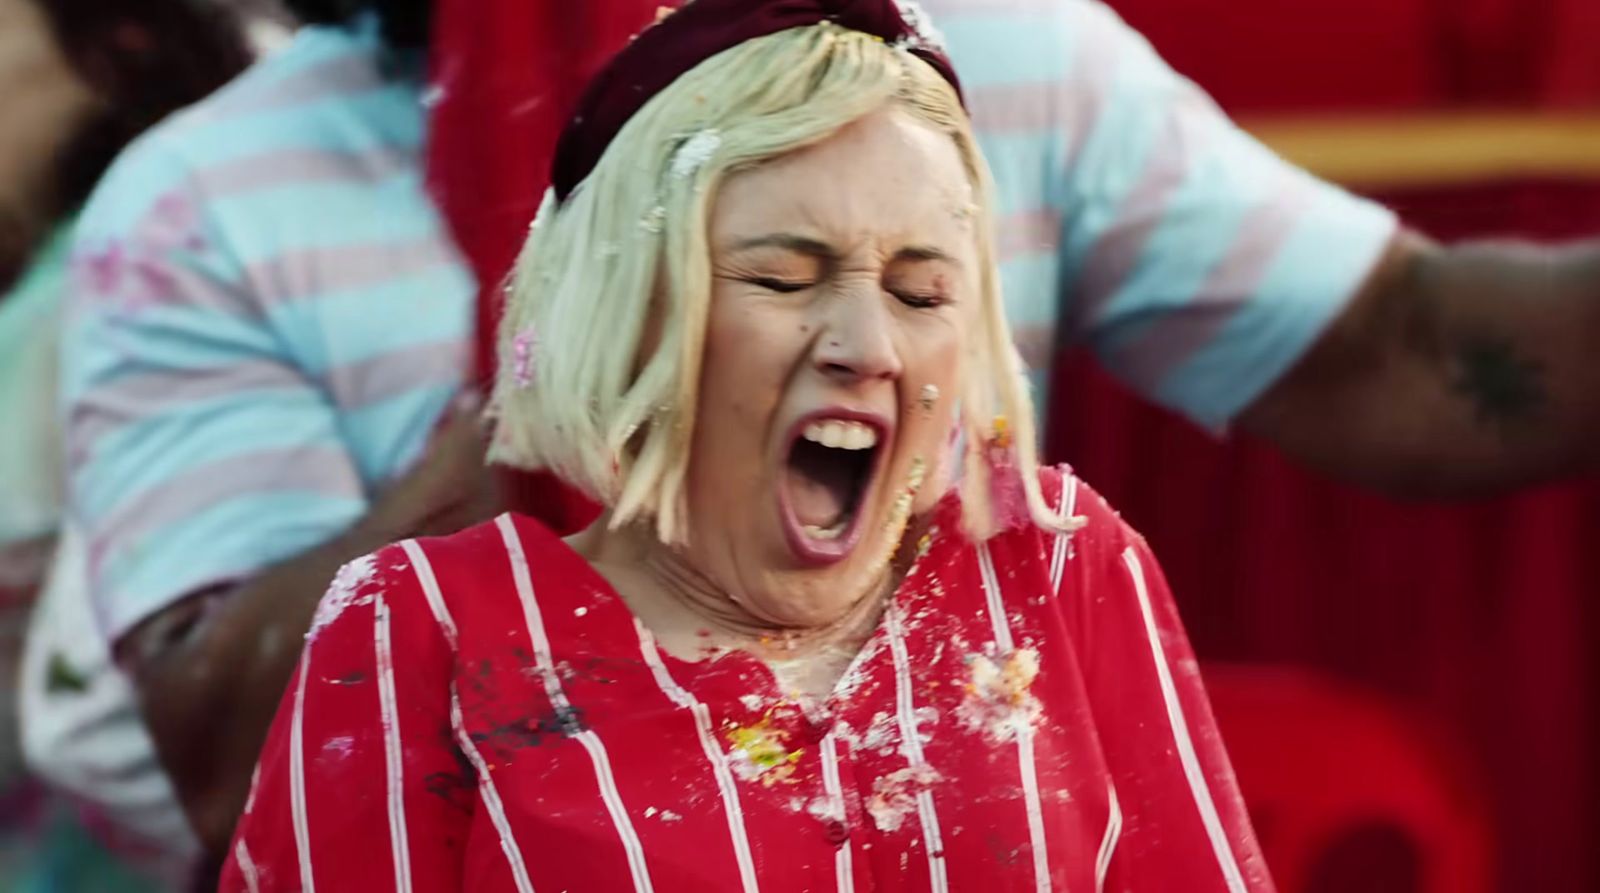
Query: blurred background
[[1411, 693], [1470, 631]]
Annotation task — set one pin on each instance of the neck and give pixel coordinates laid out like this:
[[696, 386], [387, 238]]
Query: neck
[[670, 595], [738, 618]]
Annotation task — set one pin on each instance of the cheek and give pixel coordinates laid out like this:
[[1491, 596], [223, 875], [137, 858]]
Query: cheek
[[936, 368], [942, 362], [748, 352], [936, 351]]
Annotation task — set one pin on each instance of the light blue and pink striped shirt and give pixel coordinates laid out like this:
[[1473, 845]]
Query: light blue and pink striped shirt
[[268, 317], [267, 320], [1134, 216]]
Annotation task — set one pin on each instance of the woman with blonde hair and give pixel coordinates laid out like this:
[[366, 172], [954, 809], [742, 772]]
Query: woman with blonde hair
[[836, 628]]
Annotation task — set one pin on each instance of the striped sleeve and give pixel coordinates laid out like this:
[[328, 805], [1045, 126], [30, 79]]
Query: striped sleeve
[[359, 786], [1203, 266], [198, 451], [1134, 215], [1179, 821]]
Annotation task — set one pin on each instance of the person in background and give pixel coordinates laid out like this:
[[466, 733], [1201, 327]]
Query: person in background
[[43, 104], [44, 107], [264, 364], [244, 428], [78, 80]]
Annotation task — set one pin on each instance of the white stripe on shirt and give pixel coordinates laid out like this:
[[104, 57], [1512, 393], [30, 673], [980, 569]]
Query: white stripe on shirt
[[558, 700], [255, 785], [247, 867], [912, 745], [399, 842], [1025, 760], [297, 777], [714, 755], [1180, 734], [1108, 844], [423, 568], [490, 796], [430, 590], [843, 870], [1063, 546]]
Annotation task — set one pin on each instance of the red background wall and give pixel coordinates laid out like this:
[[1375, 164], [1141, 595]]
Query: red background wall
[[1479, 618]]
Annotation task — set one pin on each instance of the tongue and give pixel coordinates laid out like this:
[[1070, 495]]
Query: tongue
[[821, 484]]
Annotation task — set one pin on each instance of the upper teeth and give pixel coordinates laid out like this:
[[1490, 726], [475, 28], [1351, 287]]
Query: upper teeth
[[842, 435]]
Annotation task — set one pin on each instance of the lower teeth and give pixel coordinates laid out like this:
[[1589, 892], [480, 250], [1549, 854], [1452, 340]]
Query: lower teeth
[[823, 533]]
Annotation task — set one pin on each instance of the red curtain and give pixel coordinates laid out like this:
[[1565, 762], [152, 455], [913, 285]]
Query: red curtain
[[1378, 55], [507, 75], [1479, 617]]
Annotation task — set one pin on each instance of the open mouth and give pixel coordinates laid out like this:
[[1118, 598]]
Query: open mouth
[[828, 473]]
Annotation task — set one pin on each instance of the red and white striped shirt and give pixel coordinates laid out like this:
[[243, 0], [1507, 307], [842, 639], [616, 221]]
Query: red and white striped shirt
[[482, 712]]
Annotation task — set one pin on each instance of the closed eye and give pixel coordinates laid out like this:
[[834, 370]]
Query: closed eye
[[920, 301], [781, 286]]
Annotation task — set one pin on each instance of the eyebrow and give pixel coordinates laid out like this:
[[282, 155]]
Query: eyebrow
[[790, 242], [823, 251]]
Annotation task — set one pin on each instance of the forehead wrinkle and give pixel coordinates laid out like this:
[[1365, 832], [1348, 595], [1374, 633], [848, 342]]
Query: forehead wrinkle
[[915, 232], [860, 205]]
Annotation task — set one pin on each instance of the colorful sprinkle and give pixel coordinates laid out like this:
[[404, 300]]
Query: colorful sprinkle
[[523, 347], [760, 751]]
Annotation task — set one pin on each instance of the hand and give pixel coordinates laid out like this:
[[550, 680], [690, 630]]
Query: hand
[[452, 487]]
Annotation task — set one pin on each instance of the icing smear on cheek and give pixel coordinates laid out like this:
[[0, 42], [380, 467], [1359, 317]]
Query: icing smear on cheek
[[900, 512]]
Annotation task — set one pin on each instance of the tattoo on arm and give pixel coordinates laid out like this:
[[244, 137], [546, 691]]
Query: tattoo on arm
[[1505, 388]]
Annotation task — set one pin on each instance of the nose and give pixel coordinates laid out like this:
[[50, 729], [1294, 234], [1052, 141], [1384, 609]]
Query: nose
[[856, 341]]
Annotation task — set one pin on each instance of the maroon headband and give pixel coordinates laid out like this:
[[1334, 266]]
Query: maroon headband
[[699, 30]]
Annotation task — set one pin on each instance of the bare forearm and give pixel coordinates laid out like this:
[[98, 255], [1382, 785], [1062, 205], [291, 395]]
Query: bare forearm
[[1459, 371], [212, 671]]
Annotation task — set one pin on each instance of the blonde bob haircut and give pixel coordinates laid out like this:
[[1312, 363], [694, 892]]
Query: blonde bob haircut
[[600, 346]]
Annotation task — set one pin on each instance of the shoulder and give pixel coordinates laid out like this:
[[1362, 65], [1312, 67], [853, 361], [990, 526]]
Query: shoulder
[[435, 600], [472, 577], [966, 24], [507, 537], [278, 107], [388, 575], [414, 578], [998, 43], [1076, 497], [1096, 528], [149, 169], [290, 86]]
